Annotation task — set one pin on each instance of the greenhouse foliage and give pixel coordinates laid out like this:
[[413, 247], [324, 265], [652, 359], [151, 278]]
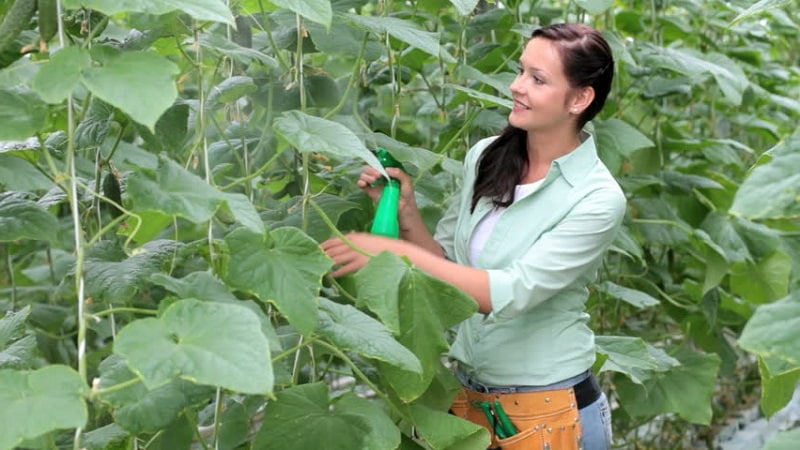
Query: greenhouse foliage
[[168, 168]]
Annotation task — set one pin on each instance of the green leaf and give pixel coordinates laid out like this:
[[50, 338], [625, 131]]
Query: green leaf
[[209, 343], [140, 84], [39, 402], [486, 99], [685, 389], [231, 89], [303, 417], [771, 191], [757, 8], [222, 46], [617, 140], [762, 281], [314, 10], [418, 308], [594, 6], [465, 7], [113, 277], [291, 214], [783, 440], [442, 430], [214, 10], [58, 77], [728, 75], [139, 409], [109, 437], [283, 267], [17, 350], [21, 218], [313, 134], [204, 286], [175, 191], [352, 330], [22, 113], [777, 384], [633, 357], [92, 130], [774, 330], [20, 175], [404, 30], [634, 297]]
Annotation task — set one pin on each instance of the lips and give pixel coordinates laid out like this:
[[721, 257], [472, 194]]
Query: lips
[[520, 106]]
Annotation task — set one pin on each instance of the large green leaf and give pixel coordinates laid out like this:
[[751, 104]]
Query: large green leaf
[[314, 134], [209, 343], [38, 402], [284, 267], [618, 140], [685, 389], [420, 307], [633, 357], [444, 431], [314, 10], [404, 30], [771, 190], [57, 78], [214, 10], [113, 277], [204, 286], [21, 218], [175, 191], [303, 417], [22, 113], [353, 330], [774, 330], [140, 84], [139, 409]]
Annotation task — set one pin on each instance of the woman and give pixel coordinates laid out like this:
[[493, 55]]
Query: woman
[[524, 238]]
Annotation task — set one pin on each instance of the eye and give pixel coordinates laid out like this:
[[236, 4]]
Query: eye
[[520, 70], [537, 80]]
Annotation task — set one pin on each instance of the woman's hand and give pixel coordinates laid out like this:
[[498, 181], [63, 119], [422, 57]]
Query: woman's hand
[[369, 177], [347, 259]]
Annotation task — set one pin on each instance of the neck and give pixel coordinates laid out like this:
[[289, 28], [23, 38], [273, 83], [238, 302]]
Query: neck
[[544, 148]]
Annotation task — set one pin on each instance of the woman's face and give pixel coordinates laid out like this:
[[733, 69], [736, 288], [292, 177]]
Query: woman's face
[[541, 91]]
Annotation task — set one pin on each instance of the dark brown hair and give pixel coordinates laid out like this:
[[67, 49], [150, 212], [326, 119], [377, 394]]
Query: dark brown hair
[[588, 62]]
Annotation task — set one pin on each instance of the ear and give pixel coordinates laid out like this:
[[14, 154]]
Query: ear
[[581, 100]]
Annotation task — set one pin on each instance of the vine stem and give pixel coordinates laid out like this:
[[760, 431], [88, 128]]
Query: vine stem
[[11, 278], [361, 376]]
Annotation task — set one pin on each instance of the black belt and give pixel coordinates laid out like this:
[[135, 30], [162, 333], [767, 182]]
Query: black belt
[[587, 391]]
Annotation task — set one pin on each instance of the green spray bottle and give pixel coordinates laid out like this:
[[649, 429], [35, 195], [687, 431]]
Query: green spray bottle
[[385, 222]]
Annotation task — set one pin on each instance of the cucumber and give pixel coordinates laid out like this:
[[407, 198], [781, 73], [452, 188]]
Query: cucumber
[[48, 20], [17, 19]]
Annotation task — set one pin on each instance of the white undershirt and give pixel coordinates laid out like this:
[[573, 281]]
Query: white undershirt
[[484, 228]]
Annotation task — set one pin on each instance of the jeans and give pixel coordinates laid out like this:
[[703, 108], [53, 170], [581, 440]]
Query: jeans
[[595, 418], [596, 425]]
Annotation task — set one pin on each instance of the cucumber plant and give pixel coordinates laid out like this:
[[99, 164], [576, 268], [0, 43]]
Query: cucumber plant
[[168, 168]]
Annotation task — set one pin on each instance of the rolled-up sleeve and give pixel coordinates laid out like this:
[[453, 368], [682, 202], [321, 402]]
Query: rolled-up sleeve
[[568, 254]]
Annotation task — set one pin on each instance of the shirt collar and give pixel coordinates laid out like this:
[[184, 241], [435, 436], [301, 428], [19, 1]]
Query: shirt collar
[[575, 165]]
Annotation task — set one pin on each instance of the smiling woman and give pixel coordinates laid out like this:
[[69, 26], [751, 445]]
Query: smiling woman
[[523, 241]]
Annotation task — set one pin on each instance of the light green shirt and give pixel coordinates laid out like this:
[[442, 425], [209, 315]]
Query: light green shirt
[[543, 251]]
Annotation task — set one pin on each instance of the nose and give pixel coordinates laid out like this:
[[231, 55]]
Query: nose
[[515, 85]]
